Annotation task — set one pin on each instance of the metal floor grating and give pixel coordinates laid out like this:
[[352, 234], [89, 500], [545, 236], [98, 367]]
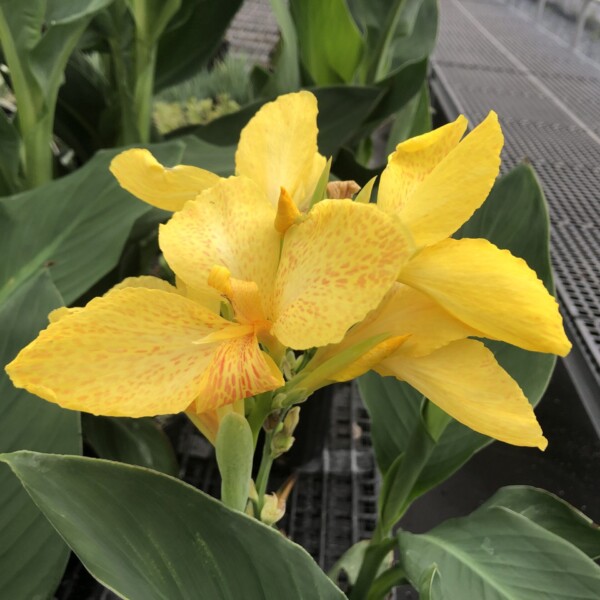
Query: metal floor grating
[[490, 57]]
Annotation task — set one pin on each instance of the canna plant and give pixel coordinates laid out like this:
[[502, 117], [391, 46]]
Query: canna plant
[[279, 291]]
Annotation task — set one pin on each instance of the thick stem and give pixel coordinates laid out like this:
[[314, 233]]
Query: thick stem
[[374, 556], [145, 64]]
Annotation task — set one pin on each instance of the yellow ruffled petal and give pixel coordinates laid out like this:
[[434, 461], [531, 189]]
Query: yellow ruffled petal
[[490, 290], [465, 381], [412, 162], [229, 225], [238, 369], [278, 148], [129, 353], [168, 188], [457, 187], [335, 267]]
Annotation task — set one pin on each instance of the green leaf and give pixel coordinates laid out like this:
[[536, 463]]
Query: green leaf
[[286, 73], [419, 32], [132, 441], [329, 41], [145, 535], [413, 119], [235, 449], [498, 554], [75, 227], [32, 555], [397, 90], [514, 217], [551, 513], [430, 586], [350, 562], [342, 109], [192, 38]]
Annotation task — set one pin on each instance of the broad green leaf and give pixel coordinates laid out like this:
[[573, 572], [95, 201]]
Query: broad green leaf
[[75, 227], [32, 554], [397, 90], [419, 33], [234, 450], [133, 441], [286, 73], [329, 41], [350, 562], [430, 586], [514, 217], [498, 554], [551, 513], [413, 119], [146, 535], [192, 38]]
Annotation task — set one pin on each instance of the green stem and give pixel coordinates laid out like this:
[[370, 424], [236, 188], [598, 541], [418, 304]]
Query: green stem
[[145, 64], [378, 66], [398, 495], [262, 478], [262, 409], [389, 579], [374, 556]]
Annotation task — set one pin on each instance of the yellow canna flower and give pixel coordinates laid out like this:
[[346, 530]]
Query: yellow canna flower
[[277, 149], [434, 183], [149, 348], [451, 290]]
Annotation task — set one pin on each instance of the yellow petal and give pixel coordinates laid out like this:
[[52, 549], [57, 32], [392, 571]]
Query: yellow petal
[[407, 312], [413, 161], [278, 148], [229, 225], [490, 290], [145, 281], [238, 369], [371, 359], [129, 353], [335, 267], [168, 188], [465, 381], [456, 187], [207, 296]]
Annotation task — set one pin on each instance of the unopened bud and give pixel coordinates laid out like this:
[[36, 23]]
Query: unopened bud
[[272, 510], [283, 438]]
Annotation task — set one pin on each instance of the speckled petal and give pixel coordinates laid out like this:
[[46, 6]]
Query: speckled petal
[[230, 225], [455, 188], [465, 380], [490, 290], [168, 188], [278, 148], [129, 353], [335, 267], [412, 162], [238, 369]]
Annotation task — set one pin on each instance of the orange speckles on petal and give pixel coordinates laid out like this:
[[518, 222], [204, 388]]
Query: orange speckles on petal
[[335, 267]]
